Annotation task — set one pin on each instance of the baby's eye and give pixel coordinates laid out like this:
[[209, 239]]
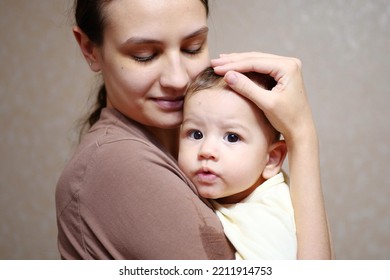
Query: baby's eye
[[195, 134], [232, 137]]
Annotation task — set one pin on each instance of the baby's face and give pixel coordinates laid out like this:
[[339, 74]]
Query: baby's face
[[224, 143]]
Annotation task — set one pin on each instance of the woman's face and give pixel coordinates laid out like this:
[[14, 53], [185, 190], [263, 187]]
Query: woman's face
[[152, 49]]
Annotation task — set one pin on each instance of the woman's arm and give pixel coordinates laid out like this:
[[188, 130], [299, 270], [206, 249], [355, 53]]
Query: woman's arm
[[132, 202], [287, 108]]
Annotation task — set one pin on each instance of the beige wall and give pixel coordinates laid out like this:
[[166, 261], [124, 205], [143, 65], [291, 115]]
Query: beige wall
[[344, 45]]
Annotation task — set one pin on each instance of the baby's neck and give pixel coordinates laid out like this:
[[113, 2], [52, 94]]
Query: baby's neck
[[236, 198]]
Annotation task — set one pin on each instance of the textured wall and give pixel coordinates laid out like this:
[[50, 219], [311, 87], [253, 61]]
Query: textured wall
[[43, 88], [344, 45]]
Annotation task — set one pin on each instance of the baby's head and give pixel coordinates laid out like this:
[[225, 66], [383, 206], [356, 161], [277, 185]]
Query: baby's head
[[208, 79], [227, 145]]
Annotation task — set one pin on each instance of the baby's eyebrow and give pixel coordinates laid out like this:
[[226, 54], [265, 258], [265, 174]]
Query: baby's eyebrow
[[233, 124], [189, 120]]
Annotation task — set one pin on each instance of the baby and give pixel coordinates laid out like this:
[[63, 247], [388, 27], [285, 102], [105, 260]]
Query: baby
[[234, 157]]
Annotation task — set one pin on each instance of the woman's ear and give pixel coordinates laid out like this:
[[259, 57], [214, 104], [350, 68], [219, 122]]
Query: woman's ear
[[277, 152], [88, 48]]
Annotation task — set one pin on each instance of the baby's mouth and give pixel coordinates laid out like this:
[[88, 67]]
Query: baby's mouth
[[206, 176]]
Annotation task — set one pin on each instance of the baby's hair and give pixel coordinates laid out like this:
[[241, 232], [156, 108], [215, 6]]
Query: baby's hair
[[209, 79]]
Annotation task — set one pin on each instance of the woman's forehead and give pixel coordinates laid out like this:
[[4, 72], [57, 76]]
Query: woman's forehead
[[154, 15]]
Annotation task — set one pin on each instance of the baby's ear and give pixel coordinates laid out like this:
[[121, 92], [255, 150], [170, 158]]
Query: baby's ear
[[276, 154]]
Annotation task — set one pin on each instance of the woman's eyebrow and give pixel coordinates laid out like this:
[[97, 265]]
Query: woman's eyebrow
[[140, 41], [144, 40], [203, 30]]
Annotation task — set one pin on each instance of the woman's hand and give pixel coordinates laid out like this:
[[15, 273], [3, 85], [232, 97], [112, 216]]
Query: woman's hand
[[287, 108], [286, 105]]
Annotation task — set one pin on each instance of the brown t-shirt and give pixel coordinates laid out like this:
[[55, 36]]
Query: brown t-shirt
[[122, 196]]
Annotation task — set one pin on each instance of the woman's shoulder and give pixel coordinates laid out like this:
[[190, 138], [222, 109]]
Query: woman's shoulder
[[116, 144], [113, 127], [117, 152], [115, 136]]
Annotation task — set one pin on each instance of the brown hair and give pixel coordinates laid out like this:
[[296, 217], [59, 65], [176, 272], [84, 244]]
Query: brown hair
[[208, 79]]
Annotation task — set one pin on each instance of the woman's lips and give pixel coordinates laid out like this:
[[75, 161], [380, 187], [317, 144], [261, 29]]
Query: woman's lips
[[170, 104]]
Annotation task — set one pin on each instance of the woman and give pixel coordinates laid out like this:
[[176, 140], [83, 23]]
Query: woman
[[122, 195]]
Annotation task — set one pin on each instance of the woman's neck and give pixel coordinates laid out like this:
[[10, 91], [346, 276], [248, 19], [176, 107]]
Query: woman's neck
[[169, 138]]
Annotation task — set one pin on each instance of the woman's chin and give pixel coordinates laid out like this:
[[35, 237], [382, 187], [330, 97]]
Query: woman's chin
[[170, 122]]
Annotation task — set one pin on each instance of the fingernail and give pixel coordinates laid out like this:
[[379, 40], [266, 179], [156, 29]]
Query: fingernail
[[231, 78]]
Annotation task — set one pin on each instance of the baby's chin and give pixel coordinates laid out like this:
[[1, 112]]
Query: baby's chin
[[209, 195]]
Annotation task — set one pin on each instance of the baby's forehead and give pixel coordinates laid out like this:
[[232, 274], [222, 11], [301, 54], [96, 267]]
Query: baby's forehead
[[206, 96], [225, 105], [220, 94], [225, 99], [212, 91]]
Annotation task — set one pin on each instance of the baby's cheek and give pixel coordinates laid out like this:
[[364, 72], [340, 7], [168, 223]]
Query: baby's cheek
[[185, 159], [245, 176]]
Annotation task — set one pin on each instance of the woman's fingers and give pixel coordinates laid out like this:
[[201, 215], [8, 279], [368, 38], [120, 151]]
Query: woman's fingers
[[269, 64], [243, 85], [286, 104], [239, 56]]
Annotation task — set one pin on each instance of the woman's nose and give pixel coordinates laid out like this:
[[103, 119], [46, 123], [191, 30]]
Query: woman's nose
[[174, 74]]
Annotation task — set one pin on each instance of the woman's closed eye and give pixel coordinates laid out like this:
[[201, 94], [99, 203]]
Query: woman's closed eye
[[144, 56], [194, 50]]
